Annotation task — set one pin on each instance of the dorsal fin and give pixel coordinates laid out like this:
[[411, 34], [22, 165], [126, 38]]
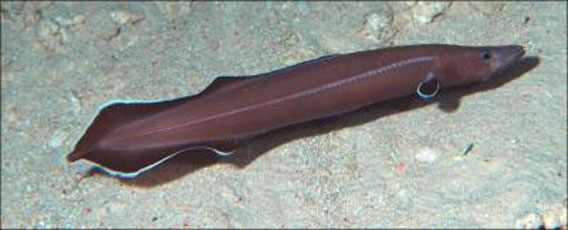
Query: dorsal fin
[[126, 111], [223, 84], [298, 65]]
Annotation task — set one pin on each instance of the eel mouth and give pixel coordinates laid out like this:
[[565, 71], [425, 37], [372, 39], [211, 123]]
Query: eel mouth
[[509, 55]]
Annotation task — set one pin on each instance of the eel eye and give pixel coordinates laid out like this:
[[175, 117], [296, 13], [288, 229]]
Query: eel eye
[[486, 55]]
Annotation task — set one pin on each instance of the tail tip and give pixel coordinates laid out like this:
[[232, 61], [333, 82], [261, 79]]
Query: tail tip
[[75, 155]]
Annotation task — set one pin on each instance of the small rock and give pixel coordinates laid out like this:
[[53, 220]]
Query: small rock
[[465, 149], [115, 207], [172, 10], [63, 21], [426, 12], [379, 27], [404, 197], [58, 138], [554, 216], [303, 7], [531, 220], [40, 224], [76, 104], [426, 155], [124, 17], [79, 19], [47, 29], [12, 114], [487, 8]]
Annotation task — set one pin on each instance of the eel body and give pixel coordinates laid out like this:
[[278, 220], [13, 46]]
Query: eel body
[[131, 137]]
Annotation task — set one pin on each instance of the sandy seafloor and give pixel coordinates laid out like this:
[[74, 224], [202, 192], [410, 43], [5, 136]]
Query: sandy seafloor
[[395, 164]]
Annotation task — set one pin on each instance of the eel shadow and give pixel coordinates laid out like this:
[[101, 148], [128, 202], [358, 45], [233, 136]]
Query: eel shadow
[[193, 161]]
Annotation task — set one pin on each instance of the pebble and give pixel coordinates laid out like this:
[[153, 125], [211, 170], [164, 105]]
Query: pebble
[[124, 17], [47, 29], [379, 27], [487, 8], [64, 21], [465, 149], [531, 220], [426, 155], [404, 198], [58, 138], [75, 101], [554, 216], [426, 12]]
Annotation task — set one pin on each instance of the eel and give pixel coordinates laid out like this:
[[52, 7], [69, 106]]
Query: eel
[[129, 138]]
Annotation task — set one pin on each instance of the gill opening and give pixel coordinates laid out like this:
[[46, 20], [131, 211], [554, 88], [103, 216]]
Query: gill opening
[[428, 89]]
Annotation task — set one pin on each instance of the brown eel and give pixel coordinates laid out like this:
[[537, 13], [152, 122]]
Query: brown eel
[[128, 138]]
